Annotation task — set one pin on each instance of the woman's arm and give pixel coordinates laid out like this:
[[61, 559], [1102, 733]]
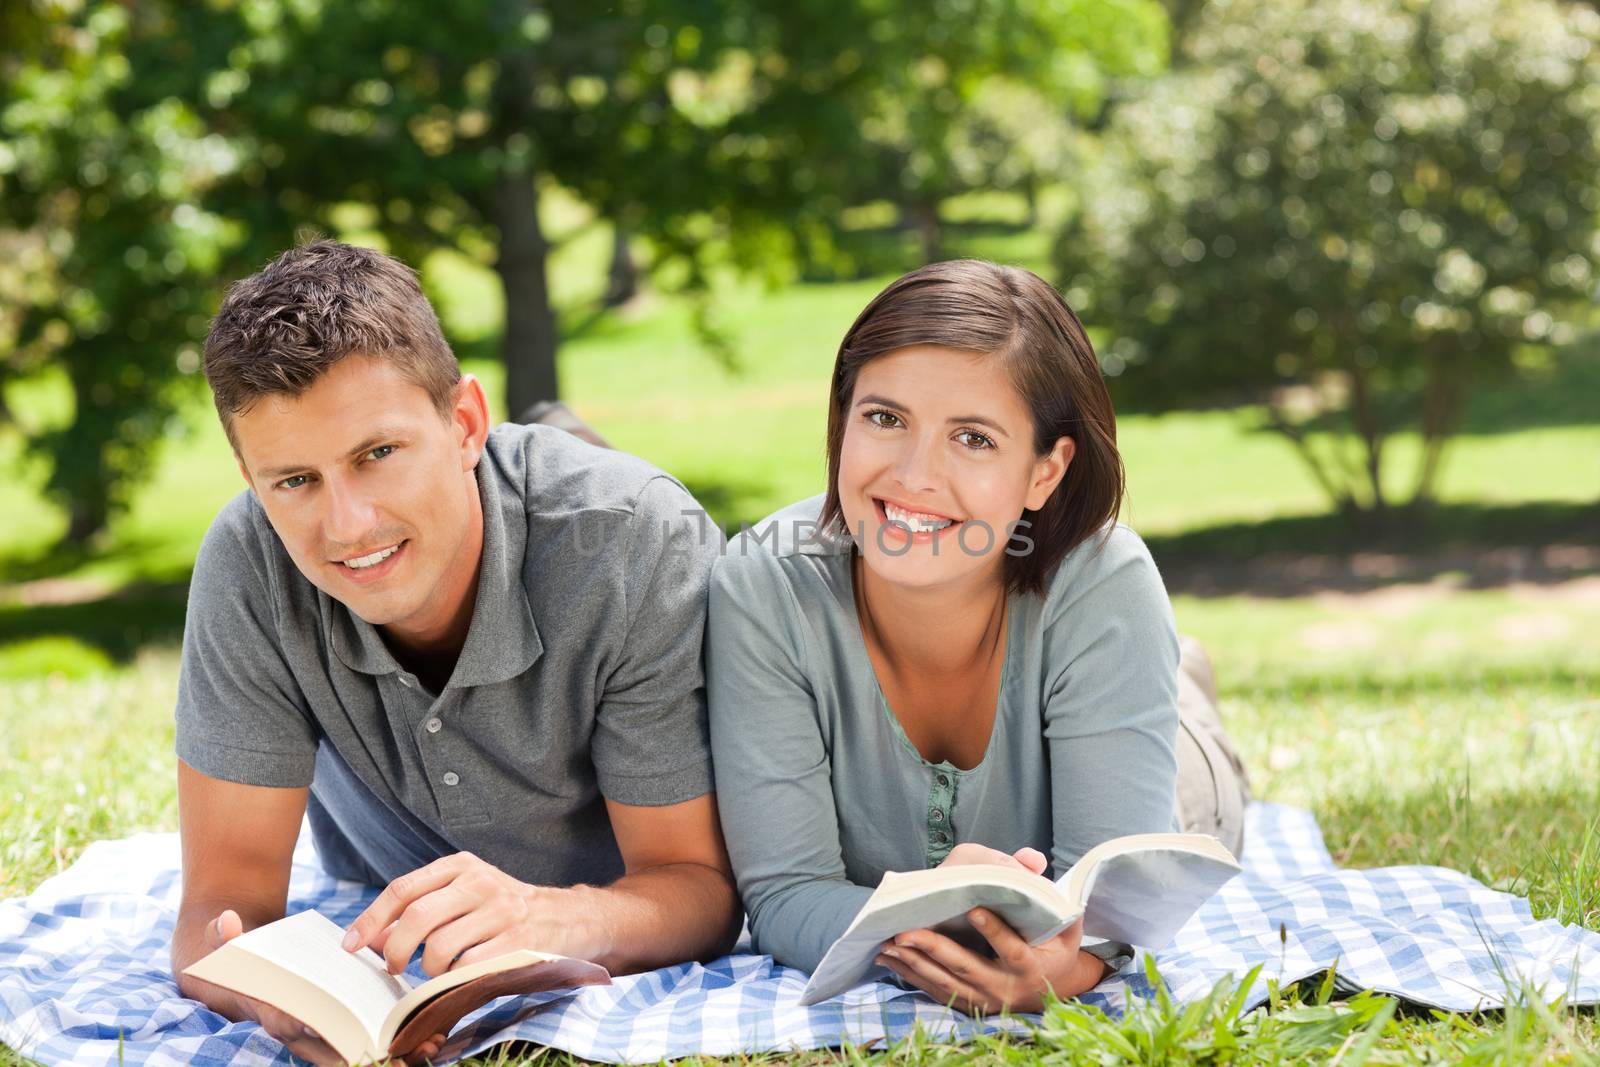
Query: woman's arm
[[1111, 702], [773, 772]]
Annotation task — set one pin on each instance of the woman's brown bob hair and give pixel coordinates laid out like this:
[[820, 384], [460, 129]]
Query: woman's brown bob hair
[[1014, 316]]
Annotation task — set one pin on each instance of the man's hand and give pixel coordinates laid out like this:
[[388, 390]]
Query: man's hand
[[301, 1040], [676, 901], [463, 910], [1019, 976]]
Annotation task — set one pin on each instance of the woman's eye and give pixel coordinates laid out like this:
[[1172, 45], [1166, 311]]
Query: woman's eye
[[380, 452], [974, 440], [886, 419]]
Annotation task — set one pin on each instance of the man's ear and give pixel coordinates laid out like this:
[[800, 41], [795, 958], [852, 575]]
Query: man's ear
[[471, 419], [1048, 470]]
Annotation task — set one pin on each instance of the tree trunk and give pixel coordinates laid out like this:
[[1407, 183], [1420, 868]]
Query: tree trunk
[[531, 336], [622, 281], [1338, 495], [1443, 397], [924, 218], [1370, 430]]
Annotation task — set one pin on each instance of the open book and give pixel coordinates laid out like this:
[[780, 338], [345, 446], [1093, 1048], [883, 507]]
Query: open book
[[1139, 889], [352, 1001]]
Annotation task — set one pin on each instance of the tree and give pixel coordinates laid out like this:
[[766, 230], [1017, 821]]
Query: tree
[[939, 97], [1351, 212], [205, 137], [105, 248]]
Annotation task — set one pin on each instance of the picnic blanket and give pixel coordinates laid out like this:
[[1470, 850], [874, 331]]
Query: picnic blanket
[[84, 975]]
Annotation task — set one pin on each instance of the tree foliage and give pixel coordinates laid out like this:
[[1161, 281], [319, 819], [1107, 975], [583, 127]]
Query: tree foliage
[[1350, 211], [107, 253], [149, 152]]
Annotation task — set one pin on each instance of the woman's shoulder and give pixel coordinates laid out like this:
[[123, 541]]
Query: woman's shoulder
[[1111, 566], [786, 546], [779, 578]]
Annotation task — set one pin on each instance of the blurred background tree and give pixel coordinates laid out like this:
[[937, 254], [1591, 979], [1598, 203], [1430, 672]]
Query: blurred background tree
[[155, 150], [1351, 212], [105, 257]]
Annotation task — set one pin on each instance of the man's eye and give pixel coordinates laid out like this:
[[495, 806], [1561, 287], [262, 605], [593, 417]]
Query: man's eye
[[294, 482], [380, 452], [974, 440], [886, 419]]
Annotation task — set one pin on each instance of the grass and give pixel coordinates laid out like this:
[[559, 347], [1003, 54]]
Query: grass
[[1442, 714]]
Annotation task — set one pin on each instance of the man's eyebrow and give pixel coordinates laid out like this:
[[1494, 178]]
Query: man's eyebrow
[[981, 420], [382, 435]]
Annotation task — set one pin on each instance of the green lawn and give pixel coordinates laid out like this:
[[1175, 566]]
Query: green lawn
[[1424, 722]]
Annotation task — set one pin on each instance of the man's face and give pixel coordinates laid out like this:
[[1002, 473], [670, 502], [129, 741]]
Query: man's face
[[371, 490]]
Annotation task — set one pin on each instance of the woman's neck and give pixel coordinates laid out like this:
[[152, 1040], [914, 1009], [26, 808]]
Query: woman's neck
[[931, 631]]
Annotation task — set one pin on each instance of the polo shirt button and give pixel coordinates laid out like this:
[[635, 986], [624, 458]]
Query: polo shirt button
[[433, 725], [943, 780], [938, 837], [451, 778], [937, 816]]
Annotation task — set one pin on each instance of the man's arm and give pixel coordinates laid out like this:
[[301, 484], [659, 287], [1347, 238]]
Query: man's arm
[[675, 902], [238, 842], [238, 846]]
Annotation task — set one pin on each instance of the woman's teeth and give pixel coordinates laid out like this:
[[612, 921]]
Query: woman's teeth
[[915, 520], [373, 560]]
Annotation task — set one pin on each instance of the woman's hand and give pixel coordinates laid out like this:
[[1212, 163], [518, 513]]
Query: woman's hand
[[1017, 979], [1019, 975]]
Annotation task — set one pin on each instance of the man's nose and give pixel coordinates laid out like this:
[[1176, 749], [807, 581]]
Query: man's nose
[[350, 516]]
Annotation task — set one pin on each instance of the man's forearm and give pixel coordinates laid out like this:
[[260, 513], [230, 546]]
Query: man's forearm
[[661, 916], [189, 945]]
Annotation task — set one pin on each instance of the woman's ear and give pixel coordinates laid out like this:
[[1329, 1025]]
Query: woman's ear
[[1048, 470]]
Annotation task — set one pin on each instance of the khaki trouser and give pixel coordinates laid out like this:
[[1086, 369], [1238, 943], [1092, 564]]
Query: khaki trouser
[[1212, 787]]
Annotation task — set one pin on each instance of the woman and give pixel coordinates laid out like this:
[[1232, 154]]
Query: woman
[[954, 654]]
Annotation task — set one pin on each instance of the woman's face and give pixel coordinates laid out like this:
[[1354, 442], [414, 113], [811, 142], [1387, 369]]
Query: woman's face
[[937, 463]]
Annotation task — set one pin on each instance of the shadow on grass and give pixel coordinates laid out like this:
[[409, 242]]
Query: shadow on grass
[[118, 624], [1477, 546]]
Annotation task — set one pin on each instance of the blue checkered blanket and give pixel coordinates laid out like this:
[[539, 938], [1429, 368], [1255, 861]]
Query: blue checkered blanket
[[84, 976]]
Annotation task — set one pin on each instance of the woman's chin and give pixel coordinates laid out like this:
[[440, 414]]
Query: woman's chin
[[918, 567]]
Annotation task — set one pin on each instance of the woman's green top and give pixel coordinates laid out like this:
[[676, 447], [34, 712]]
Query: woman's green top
[[820, 790]]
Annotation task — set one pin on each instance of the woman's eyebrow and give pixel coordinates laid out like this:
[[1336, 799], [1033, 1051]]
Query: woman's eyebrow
[[881, 401], [981, 421]]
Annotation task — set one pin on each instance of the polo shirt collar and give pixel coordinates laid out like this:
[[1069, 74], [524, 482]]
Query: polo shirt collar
[[503, 638]]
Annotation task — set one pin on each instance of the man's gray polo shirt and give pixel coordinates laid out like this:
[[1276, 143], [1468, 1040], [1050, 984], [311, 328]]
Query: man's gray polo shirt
[[580, 679]]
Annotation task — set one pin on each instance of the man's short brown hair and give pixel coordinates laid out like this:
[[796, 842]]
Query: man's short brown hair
[[285, 326]]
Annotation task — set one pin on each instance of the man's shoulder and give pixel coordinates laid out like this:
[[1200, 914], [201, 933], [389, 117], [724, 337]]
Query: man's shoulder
[[240, 544], [557, 475]]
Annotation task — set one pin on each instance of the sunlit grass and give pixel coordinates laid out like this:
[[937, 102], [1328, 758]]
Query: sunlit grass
[[1426, 723]]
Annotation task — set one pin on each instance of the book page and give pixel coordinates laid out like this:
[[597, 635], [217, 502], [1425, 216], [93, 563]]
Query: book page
[[308, 944], [1077, 882], [1142, 888]]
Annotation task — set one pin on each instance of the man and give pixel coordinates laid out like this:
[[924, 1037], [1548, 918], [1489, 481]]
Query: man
[[473, 656]]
